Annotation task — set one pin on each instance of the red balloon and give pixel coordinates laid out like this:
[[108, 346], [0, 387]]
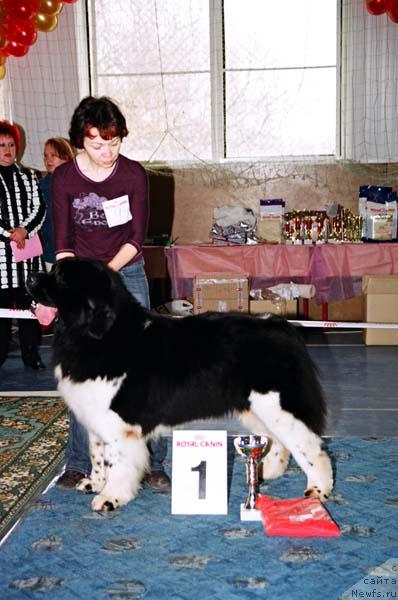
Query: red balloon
[[392, 10], [376, 7], [14, 49], [3, 12], [21, 32], [3, 37], [24, 9]]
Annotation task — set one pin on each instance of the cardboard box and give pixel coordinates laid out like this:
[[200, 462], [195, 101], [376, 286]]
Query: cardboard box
[[342, 310], [381, 306], [220, 292], [284, 308]]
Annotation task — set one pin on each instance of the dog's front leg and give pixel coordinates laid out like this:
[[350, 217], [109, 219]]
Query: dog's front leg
[[126, 460], [96, 481]]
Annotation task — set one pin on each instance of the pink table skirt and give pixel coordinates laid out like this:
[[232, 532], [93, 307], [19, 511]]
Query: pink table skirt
[[336, 270]]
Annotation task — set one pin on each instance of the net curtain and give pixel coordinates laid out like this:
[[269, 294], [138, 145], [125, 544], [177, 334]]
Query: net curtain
[[41, 89], [369, 85]]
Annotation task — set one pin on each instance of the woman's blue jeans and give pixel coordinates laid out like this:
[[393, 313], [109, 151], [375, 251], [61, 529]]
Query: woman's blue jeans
[[77, 448]]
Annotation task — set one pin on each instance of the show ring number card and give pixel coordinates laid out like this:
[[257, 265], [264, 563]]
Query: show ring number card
[[117, 211], [199, 473]]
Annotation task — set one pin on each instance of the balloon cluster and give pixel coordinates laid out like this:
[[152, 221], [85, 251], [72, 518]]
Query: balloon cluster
[[379, 7], [20, 20]]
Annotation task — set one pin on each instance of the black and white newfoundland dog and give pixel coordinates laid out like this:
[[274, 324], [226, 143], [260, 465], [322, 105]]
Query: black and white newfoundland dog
[[129, 374]]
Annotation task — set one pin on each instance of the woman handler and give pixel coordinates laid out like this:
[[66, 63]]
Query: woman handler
[[100, 211]]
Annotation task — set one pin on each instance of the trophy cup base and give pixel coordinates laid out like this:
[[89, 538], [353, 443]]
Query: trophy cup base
[[249, 514]]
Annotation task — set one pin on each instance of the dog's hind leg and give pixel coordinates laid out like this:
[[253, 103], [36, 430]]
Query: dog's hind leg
[[126, 459], [276, 461], [303, 443]]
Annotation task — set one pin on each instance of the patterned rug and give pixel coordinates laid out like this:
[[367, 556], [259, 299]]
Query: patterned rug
[[33, 434], [62, 550]]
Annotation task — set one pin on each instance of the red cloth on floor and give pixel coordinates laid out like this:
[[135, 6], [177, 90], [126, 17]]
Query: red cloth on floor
[[298, 517]]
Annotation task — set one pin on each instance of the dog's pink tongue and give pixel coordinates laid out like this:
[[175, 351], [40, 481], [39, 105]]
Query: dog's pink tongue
[[45, 314]]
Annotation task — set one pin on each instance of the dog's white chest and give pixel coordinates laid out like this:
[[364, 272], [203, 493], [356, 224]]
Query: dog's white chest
[[90, 400]]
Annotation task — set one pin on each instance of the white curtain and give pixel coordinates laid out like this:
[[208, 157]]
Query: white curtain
[[369, 86], [41, 89]]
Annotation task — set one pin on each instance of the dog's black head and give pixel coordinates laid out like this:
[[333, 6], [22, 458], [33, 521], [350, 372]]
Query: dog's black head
[[85, 292]]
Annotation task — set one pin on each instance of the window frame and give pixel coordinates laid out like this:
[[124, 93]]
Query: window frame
[[218, 89]]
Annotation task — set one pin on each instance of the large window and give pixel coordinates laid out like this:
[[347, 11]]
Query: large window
[[219, 79]]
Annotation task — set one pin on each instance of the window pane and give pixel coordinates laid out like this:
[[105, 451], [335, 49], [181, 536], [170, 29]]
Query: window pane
[[150, 37], [269, 34], [275, 106], [167, 118], [274, 113]]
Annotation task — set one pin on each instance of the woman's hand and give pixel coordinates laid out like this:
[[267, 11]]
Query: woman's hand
[[124, 256], [62, 255], [18, 235]]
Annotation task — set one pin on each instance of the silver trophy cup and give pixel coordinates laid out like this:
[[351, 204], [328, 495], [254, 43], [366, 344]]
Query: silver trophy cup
[[253, 448]]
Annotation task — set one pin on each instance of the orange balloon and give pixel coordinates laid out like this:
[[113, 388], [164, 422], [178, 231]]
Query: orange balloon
[[2, 60], [49, 7], [2, 71], [44, 22]]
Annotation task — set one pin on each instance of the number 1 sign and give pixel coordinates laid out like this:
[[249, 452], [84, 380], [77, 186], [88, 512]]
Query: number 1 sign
[[199, 473]]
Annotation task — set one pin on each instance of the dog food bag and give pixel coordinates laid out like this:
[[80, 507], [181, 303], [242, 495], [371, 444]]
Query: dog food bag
[[379, 211], [298, 517], [270, 223]]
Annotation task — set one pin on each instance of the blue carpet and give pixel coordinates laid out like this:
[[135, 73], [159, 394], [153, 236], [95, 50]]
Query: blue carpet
[[62, 550]]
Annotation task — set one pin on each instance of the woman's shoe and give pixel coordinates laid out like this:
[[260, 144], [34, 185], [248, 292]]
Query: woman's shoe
[[69, 479], [158, 481], [34, 362]]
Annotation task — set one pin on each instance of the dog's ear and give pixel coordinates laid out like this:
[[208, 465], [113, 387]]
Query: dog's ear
[[101, 317]]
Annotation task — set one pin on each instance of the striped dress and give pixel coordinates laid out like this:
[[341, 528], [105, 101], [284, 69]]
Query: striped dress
[[21, 205]]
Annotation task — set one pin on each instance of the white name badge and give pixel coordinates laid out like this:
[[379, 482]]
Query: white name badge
[[117, 211], [199, 473]]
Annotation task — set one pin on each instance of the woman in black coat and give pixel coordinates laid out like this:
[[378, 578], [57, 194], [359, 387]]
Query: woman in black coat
[[22, 212]]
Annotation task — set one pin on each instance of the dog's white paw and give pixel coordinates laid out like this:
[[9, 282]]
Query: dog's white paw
[[273, 467], [316, 492], [107, 503], [89, 486]]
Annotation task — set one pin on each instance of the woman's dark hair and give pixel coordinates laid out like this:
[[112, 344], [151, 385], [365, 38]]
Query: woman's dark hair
[[61, 146], [101, 113], [7, 128]]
